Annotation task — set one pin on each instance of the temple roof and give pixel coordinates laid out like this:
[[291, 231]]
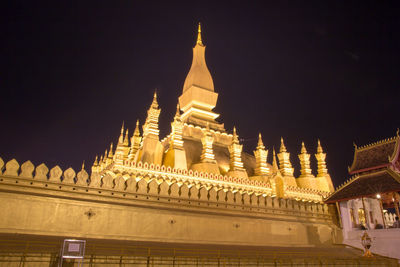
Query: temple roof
[[368, 184], [375, 156]]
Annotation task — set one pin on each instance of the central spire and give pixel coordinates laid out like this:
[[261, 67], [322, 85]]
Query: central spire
[[199, 42], [198, 97], [199, 75]]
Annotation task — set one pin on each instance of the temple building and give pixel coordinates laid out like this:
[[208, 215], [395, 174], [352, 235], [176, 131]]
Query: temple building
[[365, 200], [200, 145], [193, 189]]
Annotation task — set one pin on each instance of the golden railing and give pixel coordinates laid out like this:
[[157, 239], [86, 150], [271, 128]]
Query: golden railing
[[25, 252]]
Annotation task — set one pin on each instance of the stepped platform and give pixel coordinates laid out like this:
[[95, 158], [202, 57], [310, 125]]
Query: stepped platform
[[31, 250]]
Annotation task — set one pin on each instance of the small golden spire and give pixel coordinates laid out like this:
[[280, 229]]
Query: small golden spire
[[303, 148], [319, 149], [154, 104], [83, 165], [235, 136], [199, 42], [95, 161], [275, 168], [110, 153], [283, 147], [137, 131], [121, 136], [126, 140], [177, 113], [260, 142]]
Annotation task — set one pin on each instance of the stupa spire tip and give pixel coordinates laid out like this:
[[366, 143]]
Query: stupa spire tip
[[199, 41]]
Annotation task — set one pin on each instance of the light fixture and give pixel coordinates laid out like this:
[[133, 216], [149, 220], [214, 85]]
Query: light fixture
[[378, 196]]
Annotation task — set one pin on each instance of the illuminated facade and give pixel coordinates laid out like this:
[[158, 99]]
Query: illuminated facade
[[199, 146], [196, 185]]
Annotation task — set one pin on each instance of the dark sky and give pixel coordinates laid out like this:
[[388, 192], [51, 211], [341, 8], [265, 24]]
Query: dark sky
[[72, 72]]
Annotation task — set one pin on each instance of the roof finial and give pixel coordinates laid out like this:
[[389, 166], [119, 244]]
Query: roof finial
[[319, 148], [303, 148], [199, 42], [260, 142], [177, 113], [110, 153], [154, 104], [83, 164], [235, 136], [126, 139], [121, 136], [283, 147], [275, 168]]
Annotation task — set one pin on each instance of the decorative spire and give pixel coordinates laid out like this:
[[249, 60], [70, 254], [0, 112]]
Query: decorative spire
[[176, 140], [260, 144], [95, 163], [198, 97], [121, 136], [95, 166], [304, 162], [275, 168], [235, 150], [321, 156], [135, 142], [199, 42], [285, 165], [303, 148], [150, 127], [126, 139], [283, 147], [110, 153], [319, 148], [83, 165], [235, 138], [207, 154], [177, 113], [261, 158], [154, 104]]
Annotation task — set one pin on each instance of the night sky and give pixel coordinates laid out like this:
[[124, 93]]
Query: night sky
[[72, 72]]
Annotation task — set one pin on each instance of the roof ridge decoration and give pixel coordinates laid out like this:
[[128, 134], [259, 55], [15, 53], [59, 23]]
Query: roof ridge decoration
[[377, 143]]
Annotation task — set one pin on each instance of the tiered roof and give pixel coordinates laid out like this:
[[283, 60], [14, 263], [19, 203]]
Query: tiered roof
[[376, 155], [375, 168]]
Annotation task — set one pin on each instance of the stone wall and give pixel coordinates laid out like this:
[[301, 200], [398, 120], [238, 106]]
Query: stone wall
[[144, 208]]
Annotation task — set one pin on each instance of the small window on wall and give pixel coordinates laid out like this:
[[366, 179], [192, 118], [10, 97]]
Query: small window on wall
[[353, 221], [361, 216], [371, 217]]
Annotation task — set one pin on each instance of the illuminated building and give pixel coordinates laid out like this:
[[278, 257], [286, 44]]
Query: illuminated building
[[196, 185]]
